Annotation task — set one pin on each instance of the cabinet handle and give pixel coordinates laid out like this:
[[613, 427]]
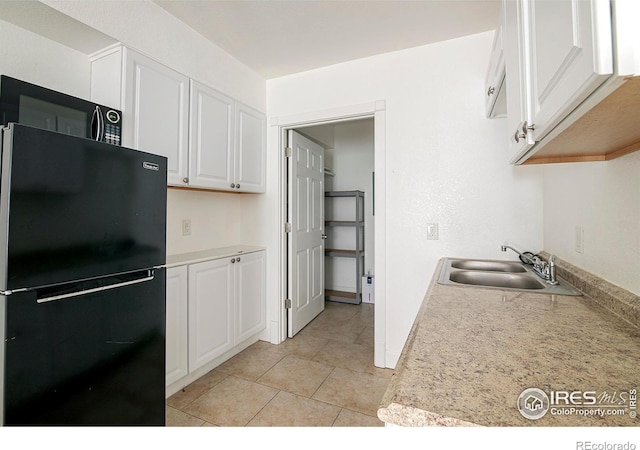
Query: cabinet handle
[[185, 180], [491, 90], [233, 260], [238, 186], [519, 135], [526, 127], [238, 259], [233, 185]]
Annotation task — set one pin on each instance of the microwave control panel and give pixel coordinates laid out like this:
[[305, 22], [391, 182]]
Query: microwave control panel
[[113, 131]]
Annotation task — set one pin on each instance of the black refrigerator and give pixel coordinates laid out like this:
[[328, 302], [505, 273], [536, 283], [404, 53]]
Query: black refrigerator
[[82, 281]]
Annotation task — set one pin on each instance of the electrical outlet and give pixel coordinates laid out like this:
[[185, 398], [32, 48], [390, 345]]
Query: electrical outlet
[[186, 227], [432, 232], [579, 239]]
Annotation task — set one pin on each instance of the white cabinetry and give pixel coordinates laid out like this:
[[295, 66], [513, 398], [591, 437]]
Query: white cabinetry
[[177, 320], [562, 59], [211, 140], [495, 92], [570, 47], [227, 143], [250, 164], [211, 311], [216, 307]]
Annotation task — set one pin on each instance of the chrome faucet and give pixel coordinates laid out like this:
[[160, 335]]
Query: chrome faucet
[[524, 258], [545, 270]]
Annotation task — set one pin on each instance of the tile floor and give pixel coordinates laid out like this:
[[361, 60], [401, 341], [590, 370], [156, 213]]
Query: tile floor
[[324, 377]]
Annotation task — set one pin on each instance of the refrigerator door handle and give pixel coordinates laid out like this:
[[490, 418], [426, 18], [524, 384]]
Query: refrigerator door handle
[[98, 289]]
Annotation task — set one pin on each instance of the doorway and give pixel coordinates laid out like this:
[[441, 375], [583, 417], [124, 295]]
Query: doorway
[[375, 114]]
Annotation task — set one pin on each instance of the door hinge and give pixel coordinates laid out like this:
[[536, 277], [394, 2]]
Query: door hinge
[[287, 152], [287, 227], [287, 303]]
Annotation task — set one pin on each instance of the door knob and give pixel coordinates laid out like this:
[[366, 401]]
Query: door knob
[[324, 236]]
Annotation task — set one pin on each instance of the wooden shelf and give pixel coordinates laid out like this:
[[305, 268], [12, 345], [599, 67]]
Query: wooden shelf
[[343, 223], [341, 296], [343, 253]]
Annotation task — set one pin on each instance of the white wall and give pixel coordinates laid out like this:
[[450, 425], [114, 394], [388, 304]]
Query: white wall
[[445, 163], [603, 198], [30, 57], [217, 219]]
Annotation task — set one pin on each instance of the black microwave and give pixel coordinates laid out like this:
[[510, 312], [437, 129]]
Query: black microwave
[[39, 107]]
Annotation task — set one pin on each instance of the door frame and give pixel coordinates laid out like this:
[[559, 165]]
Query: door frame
[[280, 125]]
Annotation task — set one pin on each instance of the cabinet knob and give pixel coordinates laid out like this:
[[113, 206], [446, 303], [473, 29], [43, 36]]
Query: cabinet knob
[[233, 185], [185, 180], [238, 259], [237, 186], [233, 260], [526, 127], [491, 90], [519, 135]]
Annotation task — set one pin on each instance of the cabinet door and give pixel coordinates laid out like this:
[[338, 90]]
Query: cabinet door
[[251, 300], [211, 311], [177, 324], [571, 55], [516, 63], [211, 141], [250, 149], [156, 102], [494, 83]]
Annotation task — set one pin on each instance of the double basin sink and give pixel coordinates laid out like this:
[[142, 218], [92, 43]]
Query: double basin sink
[[507, 275]]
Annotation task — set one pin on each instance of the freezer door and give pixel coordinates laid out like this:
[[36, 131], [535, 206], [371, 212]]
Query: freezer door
[[93, 359], [75, 209]]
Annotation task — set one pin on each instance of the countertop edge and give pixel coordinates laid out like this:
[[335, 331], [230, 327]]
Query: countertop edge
[[183, 259]]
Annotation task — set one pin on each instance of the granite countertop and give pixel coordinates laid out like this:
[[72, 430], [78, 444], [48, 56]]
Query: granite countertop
[[182, 259], [473, 351]]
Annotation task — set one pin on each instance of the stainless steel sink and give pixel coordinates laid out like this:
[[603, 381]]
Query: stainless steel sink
[[496, 279], [492, 274], [491, 266]]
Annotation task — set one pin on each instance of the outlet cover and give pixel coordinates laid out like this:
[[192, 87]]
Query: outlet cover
[[186, 227], [432, 232]]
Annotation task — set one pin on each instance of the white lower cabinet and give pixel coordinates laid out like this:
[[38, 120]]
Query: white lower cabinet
[[215, 309], [211, 310], [177, 331]]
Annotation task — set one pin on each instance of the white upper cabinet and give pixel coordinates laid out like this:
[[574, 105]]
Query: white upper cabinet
[[572, 71], [495, 95], [517, 77], [250, 153], [571, 54], [211, 141]]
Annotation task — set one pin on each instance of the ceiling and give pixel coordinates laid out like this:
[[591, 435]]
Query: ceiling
[[277, 38]]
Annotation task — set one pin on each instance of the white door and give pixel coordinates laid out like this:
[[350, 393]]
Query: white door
[[305, 241]]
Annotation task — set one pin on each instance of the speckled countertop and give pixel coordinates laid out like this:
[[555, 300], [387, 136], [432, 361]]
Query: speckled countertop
[[473, 351]]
